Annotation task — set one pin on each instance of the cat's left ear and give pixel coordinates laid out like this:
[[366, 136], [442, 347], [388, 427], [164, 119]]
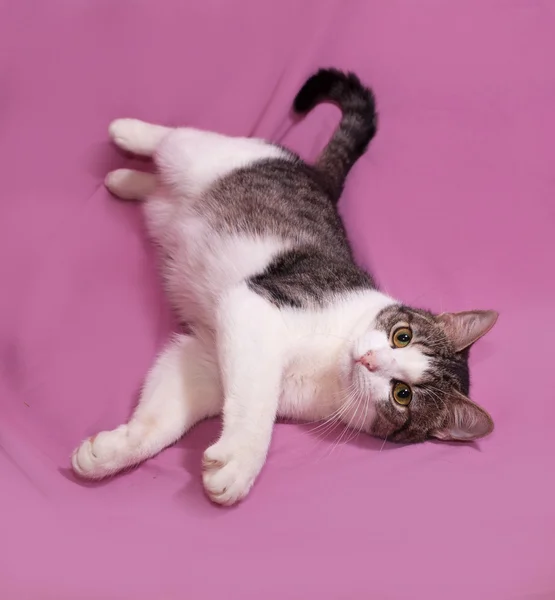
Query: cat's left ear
[[464, 328], [465, 422]]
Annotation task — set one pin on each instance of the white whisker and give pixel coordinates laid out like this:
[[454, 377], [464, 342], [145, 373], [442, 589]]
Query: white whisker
[[358, 398], [335, 419]]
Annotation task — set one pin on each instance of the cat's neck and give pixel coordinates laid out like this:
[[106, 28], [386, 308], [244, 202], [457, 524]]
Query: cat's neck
[[322, 342]]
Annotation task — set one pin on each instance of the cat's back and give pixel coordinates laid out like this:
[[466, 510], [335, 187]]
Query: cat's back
[[281, 197]]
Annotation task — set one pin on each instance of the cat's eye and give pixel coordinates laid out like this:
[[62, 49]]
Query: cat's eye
[[402, 394], [402, 337]]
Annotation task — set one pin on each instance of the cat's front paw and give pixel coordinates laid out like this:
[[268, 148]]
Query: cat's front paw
[[228, 473], [102, 455]]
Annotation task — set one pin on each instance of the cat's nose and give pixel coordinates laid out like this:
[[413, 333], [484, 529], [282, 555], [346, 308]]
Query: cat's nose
[[369, 361]]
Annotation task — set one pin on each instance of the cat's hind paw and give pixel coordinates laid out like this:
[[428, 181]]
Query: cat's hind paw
[[129, 184], [137, 136]]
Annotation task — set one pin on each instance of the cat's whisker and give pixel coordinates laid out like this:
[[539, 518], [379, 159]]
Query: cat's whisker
[[367, 408], [326, 427], [347, 405], [338, 411], [364, 416], [356, 429], [332, 416], [346, 430], [435, 394], [331, 422], [350, 425]]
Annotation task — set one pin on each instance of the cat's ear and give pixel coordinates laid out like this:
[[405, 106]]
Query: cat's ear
[[464, 328], [465, 422]]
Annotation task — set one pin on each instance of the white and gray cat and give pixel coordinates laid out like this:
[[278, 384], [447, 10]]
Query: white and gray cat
[[283, 322]]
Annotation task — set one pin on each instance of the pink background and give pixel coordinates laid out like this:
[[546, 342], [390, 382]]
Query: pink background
[[463, 160]]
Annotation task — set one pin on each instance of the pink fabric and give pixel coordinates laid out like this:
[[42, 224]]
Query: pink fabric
[[453, 209]]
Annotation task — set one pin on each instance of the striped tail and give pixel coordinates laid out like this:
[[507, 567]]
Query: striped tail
[[357, 127]]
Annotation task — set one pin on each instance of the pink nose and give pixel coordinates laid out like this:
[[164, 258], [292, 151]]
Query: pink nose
[[369, 361]]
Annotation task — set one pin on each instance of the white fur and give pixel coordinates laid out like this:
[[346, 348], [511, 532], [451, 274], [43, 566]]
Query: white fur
[[247, 357], [191, 160], [130, 184], [137, 136], [182, 388]]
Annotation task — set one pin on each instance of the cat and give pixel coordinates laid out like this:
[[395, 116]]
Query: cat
[[283, 323]]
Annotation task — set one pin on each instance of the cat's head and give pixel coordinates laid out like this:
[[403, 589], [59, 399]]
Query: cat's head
[[414, 367]]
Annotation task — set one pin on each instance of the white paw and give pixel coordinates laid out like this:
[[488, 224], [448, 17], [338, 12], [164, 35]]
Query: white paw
[[103, 454], [125, 133], [129, 184], [228, 473], [137, 136], [118, 182]]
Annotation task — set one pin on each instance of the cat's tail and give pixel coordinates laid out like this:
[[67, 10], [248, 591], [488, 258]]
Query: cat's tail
[[357, 127]]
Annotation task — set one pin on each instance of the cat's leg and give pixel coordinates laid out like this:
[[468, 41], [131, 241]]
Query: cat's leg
[[190, 160], [251, 354], [130, 184], [182, 388], [137, 136]]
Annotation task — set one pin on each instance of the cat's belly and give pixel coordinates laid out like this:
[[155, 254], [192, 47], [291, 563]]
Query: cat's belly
[[200, 264]]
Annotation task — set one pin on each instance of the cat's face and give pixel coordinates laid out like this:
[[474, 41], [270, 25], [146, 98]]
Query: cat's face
[[413, 366]]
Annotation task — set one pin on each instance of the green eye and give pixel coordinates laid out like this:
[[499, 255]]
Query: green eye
[[402, 394], [402, 337]]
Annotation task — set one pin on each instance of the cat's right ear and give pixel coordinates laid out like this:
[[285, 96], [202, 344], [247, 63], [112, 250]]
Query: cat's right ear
[[464, 328]]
